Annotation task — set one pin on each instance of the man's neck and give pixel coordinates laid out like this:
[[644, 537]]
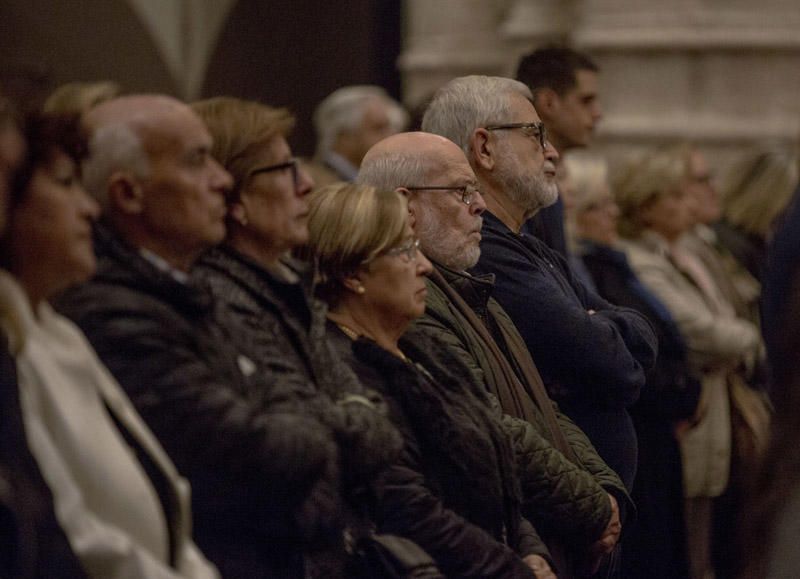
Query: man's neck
[[504, 209]]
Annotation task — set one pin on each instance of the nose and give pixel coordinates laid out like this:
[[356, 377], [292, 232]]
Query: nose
[[550, 152], [305, 183], [478, 204], [88, 205], [597, 111], [221, 180], [424, 266]]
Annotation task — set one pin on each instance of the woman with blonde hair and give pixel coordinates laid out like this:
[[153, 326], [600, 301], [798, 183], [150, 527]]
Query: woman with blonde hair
[[655, 546], [755, 194], [454, 490], [656, 211], [281, 327]]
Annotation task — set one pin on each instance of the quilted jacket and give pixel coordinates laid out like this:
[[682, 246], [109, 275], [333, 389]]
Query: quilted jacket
[[566, 500]]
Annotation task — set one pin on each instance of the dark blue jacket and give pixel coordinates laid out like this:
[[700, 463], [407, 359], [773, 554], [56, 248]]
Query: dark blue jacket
[[593, 365]]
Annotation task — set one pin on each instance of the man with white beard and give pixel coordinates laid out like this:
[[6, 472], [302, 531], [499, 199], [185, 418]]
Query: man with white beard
[[567, 488], [592, 355]]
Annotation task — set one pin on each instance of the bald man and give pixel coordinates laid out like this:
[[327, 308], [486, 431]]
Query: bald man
[[253, 466], [569, 491]]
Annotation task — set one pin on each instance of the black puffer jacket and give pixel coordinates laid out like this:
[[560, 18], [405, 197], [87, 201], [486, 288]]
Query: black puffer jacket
[[281, 328], [454, 490], [262, 468]]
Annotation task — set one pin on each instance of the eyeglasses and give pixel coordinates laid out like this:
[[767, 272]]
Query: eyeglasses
[[530, 130], [292, 164], [468, 192], [408, 251]]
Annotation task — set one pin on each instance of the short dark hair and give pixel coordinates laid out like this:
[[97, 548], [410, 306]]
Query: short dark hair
[[553, 67], [46, 134]]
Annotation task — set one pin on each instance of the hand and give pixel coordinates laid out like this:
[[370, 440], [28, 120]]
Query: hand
[[539, 566], [607, 541]]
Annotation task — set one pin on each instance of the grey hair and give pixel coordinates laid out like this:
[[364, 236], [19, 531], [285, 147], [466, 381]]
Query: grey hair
[[388, 171], [343, 110], [469, 102], [114, 147]]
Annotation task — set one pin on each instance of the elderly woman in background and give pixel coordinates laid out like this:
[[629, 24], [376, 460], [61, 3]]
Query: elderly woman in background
[[454, 490], [274, 316], [117, 496], [655, 546], [656, 211], [756, 192]]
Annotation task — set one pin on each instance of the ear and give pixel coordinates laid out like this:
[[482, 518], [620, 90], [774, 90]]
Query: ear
[[125, 193], [483, 150], [412, 205], [546, 102], [353, 283], [238, 213]]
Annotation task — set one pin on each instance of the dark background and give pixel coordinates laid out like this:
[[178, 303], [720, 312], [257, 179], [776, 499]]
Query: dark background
[[288, 53]]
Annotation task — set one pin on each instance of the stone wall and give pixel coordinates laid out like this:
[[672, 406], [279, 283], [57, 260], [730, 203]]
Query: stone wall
[[722, 73]]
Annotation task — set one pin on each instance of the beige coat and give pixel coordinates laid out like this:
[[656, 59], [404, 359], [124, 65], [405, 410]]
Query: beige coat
[[104, 500], [716, 343]]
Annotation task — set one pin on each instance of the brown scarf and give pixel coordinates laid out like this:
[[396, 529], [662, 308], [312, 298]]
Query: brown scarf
[[516, 397]]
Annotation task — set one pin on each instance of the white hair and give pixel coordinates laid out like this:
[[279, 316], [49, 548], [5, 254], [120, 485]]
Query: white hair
[[469, 102], [343, 110], [114, 147], [391, 170]]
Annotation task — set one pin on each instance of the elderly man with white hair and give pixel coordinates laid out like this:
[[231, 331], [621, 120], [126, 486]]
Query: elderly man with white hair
[[592, 355], [348, 122], [569, 492], [260, 467]]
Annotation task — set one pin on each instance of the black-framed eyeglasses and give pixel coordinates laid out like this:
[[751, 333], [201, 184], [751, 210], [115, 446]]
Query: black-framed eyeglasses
[[531, 130], [468, 192], [293, 164]]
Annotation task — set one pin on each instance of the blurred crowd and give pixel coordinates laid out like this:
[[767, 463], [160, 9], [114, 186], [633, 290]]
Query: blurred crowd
[[471, 349]]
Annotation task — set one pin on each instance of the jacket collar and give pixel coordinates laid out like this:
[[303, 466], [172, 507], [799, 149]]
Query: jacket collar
[[120, 263], [474, 289]]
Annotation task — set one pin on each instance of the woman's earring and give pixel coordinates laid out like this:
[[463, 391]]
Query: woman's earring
[[360, 289]]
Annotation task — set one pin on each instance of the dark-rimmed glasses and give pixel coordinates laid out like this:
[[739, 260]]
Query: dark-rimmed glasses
[[468, 192], [292, 164], [531, 130]]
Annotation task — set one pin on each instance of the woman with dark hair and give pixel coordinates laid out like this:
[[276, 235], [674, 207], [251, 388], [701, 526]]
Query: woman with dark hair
[[117, 496], [454, 490]]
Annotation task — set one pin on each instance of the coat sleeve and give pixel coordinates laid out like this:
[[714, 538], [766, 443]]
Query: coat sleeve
[[238, 454], [560, 497], [599, 358], [407, 507], [710, 339], [104, 550]]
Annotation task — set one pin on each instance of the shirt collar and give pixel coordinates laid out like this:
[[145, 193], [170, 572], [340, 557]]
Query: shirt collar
[[342, 166], [162, 265]]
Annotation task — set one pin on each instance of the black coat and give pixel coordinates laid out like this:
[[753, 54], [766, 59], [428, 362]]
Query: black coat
[[259, 464], [32, 544], [592, 365], [454, 490], [655, 546], [282, 328]]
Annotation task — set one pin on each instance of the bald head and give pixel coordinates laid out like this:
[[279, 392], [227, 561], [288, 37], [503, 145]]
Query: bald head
[[435, 175], [150, 167], [408, 160]]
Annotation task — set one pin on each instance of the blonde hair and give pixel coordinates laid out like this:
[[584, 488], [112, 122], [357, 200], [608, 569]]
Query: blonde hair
[[658, 173], [350, 224], [759, 187], [239, 128], [588, 174], [75, 98]]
